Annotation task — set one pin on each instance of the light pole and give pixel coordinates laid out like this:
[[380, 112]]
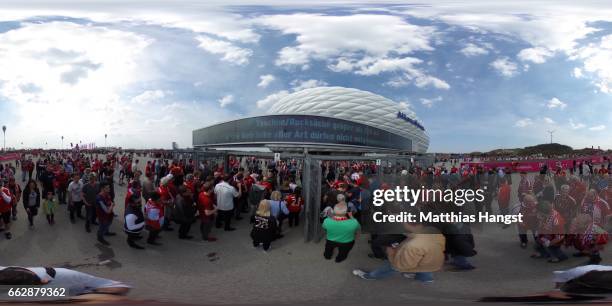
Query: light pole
[[551, 134], [4, 133], [62, 142], [105, 135]]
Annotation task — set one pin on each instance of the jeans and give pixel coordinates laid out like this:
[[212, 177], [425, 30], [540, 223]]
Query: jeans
[[75, 208], [184, 229], [224, 217], [90, 216], [294, 219], [61, 195], [205, 228], [153, 233], [461, 262], [387, 270], [103, 228]]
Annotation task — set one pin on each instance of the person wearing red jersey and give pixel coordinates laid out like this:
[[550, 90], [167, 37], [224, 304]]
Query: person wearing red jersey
[[503, 197], [578, 189], [16, 192], [294, 204], [190, 183], [154, 217], [551, 229], [104, 211], [62, 180], [167, 199], [588, 238], [207, 211], [6, 205], [595, 207]]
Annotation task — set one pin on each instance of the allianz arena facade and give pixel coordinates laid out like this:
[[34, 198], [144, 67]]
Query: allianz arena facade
[[326, 119]]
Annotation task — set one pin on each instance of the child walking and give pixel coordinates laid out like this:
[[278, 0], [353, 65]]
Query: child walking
[[49, 206]]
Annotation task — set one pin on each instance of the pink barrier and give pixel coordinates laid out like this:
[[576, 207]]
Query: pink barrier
[[9, 157], [534, 166]]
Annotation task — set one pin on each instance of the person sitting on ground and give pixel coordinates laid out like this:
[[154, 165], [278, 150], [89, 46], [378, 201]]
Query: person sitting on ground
[[264, 228], [341, 233], [417, 256], [551, 230]]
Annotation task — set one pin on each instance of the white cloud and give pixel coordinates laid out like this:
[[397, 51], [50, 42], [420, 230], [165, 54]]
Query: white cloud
[[226, 100], [525, 122], [598, 128], [472, 49], [597, 59], [505, 67], [325, 36], [554, 28], [535, 55], [271, 99], [577, 73], [365, 44], [230, 52], [297, 85], [265, 80], [67, 78], [149, 96], [430, 102], [576, 126], [556, 103], [549, 120]]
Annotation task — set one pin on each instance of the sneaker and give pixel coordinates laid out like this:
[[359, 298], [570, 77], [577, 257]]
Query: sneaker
[[409, 275], [14, 218], [231, 229], [8, 235], [523, 245], [186, 237], [87, 229], [211, 239], [102, 241], [361, 274], [154, 243], [110, 234]]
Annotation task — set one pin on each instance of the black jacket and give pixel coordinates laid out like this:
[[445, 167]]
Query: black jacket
[[26, 198], [264, 228]]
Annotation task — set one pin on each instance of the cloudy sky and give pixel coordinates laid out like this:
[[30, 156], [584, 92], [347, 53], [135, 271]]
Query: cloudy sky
[[478, 74]]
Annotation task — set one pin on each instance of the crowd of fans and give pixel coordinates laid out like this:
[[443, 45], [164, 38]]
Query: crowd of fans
[[561, 208]]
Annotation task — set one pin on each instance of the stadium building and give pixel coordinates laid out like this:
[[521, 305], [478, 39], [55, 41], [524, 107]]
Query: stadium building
[[325, 120]]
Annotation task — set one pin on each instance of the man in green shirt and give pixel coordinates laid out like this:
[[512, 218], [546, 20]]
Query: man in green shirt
[[341, 232]]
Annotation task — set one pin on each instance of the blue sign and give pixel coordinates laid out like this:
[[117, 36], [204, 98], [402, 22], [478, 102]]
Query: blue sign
[[408, 119]]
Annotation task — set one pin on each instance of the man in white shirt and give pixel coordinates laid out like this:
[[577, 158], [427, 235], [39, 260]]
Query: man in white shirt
[[225, 194], [75, 199]]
